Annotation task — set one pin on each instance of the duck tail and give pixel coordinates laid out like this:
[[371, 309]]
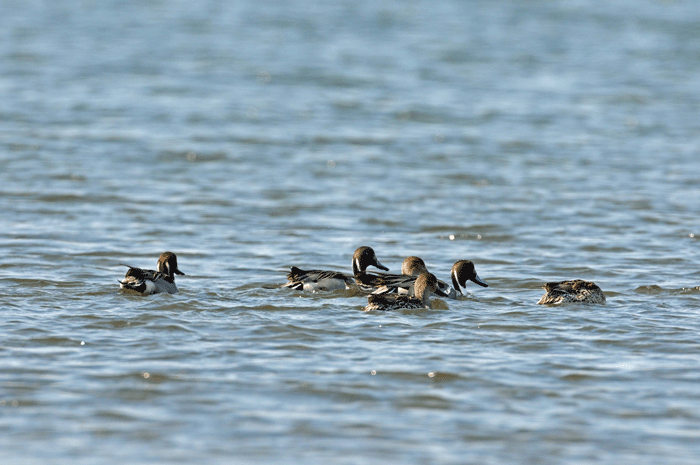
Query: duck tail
[[137, 285], [296, 285], [294, 273]]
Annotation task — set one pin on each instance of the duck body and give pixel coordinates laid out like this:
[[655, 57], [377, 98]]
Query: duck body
[[425, 285], [322, 280], [385, 283], [317, 280], [576, 290], [149, 282]]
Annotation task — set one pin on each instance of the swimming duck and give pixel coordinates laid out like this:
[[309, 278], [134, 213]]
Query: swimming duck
[[152, 282], [321, 280], [425, 285], [576, 290], [462, 271], [382, 283]]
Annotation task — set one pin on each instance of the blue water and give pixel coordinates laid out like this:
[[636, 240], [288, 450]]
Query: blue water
[[541, 140]]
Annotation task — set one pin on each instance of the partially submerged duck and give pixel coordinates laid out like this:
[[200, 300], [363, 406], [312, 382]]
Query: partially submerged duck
[[462, 271], [576, 290], [425, 285], [149, 282], [382, 283], [322, 280]]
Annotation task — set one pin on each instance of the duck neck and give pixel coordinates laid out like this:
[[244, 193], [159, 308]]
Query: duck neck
[[424, 296], [356, 271], [455, 283]]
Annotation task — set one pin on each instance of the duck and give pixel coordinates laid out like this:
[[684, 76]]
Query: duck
[[425, 285], [322, 280], [576, 290], [462, 271], [148, 282], [383, 283]]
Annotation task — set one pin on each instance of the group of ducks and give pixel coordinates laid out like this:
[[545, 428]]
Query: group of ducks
[[409, 290]]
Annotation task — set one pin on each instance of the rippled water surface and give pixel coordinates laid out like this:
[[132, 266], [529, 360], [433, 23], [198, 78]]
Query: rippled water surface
[[542, 140]]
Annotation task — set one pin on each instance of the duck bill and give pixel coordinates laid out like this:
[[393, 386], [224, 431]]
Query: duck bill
[[380, 266], [478, 281], [179, 272]]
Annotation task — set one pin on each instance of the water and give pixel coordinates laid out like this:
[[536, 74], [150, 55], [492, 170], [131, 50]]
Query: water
[[544, 141]]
